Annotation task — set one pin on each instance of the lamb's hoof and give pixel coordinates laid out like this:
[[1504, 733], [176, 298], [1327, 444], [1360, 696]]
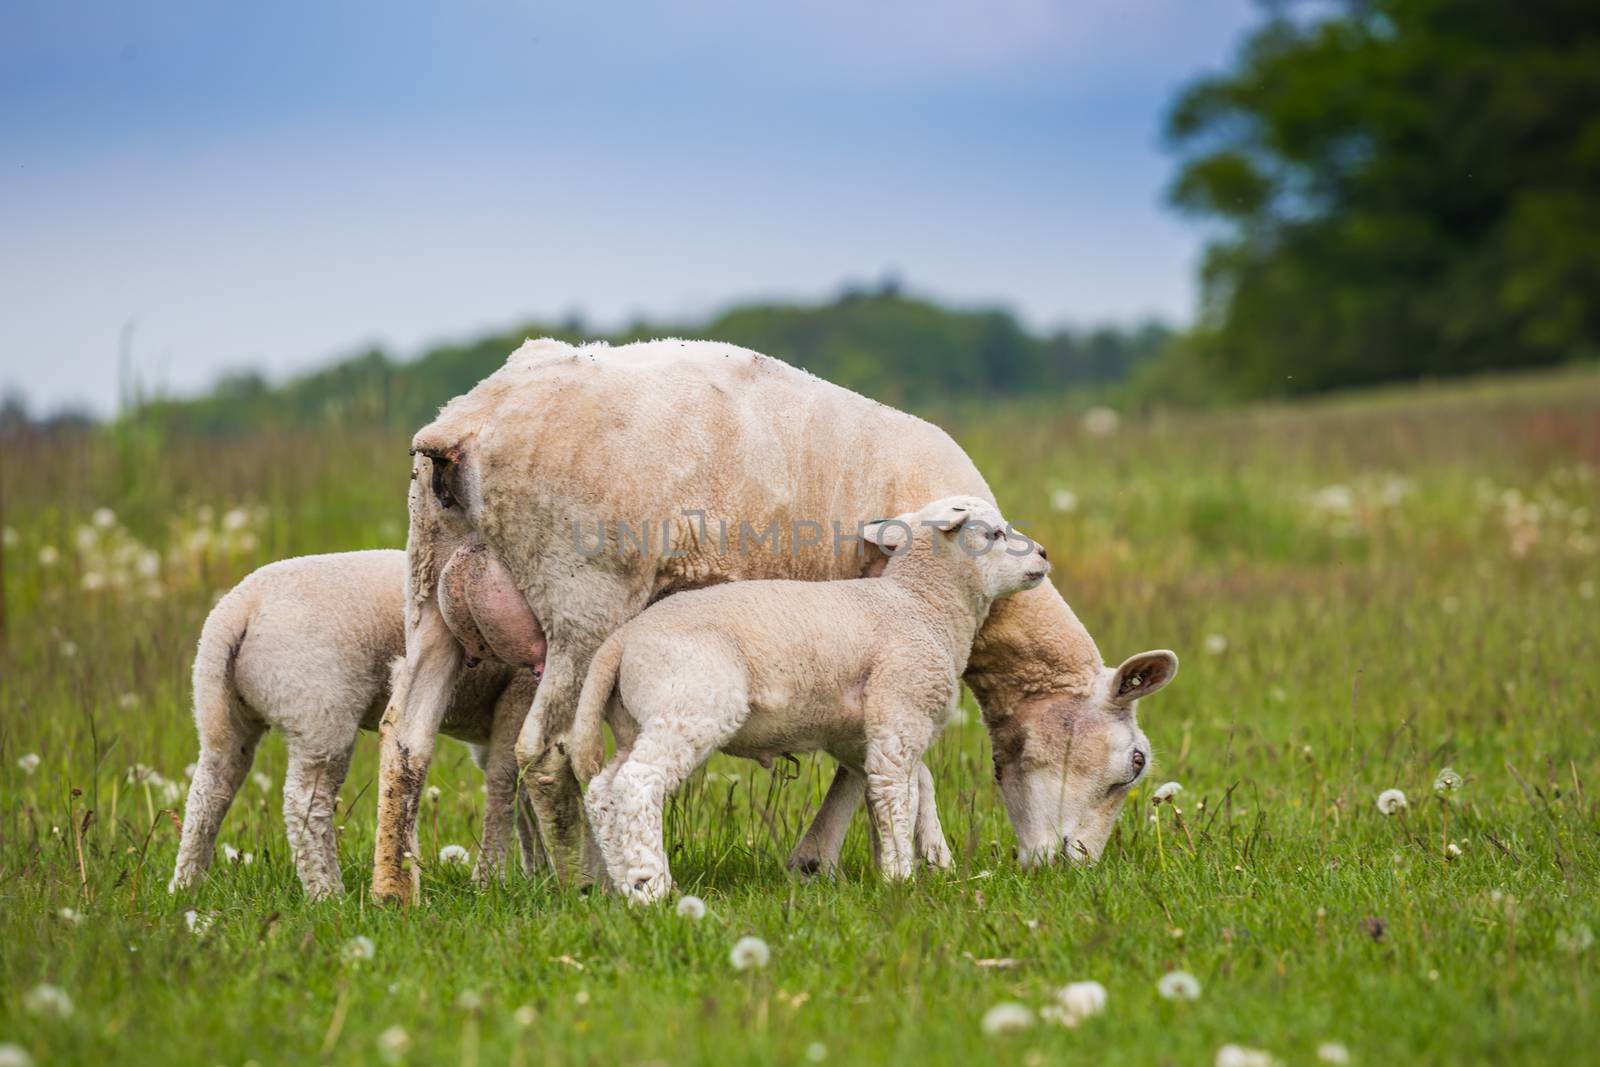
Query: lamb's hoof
[[939, 858], [811, 866]]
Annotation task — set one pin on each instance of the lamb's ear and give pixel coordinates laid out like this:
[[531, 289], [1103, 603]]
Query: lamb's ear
[[891, 535], [1143, 674], [945, 516]]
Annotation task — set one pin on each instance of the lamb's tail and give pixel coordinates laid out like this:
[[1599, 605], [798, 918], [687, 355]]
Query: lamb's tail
[[586, 743], [216, 706]]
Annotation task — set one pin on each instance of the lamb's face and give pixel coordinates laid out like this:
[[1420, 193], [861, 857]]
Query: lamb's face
[[1065, 763], [1007, 562]]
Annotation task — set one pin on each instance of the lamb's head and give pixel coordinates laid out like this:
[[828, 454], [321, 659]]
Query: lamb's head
[[1065, 762], [963, 533]]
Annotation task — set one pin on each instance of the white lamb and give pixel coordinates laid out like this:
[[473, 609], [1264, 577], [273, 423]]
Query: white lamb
[[311, 647], [866, 669]]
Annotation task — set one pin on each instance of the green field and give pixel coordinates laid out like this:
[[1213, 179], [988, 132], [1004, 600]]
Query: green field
[[1363, 591]]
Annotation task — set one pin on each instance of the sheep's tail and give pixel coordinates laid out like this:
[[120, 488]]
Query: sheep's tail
[[217, 715], [586, 743]]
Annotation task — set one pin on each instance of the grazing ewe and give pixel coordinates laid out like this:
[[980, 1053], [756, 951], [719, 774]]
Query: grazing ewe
[[308, 646], [868, 669], [724, 465]]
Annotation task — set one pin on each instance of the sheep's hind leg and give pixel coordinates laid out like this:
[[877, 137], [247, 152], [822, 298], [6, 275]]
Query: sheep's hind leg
[[310, 801], [818, 851], [930, 844], [218, 774]]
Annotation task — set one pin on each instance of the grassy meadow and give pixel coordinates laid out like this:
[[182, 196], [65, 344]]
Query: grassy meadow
[[1363, 591]]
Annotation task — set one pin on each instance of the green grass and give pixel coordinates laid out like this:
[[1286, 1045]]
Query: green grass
[[1388, 606]]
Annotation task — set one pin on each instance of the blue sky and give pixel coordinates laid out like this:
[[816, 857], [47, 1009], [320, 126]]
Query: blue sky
[[272, 185]]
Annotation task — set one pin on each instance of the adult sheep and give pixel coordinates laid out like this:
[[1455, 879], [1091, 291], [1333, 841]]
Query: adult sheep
[[600, 479]]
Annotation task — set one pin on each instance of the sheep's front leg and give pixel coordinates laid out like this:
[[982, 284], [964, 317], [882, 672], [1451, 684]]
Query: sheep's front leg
[[818, 851], [500, 780], [406, 737], [930, 843], [893, 754]]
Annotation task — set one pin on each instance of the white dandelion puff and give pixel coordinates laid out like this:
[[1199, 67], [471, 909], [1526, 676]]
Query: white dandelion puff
[[749, 953], [104, 518], [1216, 644], [1064, 501], [434, 792], [524, 1016], [261, 781], [1165, 792], [49, 556], [30, 762], [358, 949], [1333, 1052], [1101, 422], [198, 922], [581, 997], [1452, 851], [69, 650], [230, 853], [691, 907], [455, 854], [1576, 940], [1178, 985], [470, 1000], [1007, 1017], [1056, 1014], [1391, 802], [70, 916], [816, 1052], [1448, 781], [49, 1000], [10, 538], [14, 1056], [1082, 999], [1240, 1056], [393, 1044]]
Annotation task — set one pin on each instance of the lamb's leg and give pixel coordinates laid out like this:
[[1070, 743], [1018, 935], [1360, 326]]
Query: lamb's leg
[[406, 738], [818, 851], [533, 858], [500, 781], [930, 843], [628, 805], [220, 771], [310, 800], [893, 753]]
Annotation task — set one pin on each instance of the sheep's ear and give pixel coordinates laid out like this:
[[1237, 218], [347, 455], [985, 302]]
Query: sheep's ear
[[1143, 674], [946, 516]]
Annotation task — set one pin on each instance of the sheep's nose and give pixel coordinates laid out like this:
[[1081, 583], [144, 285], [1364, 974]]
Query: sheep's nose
[[1042, 553]]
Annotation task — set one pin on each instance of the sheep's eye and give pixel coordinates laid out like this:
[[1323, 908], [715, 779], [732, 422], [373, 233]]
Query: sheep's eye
[[997, 535], [1138, 761]]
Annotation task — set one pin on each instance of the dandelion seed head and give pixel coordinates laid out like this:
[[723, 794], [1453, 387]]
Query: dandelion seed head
[[1178, 985], [1101, 421], [470, 1000], [14, 1056], [816, 1052], [691, 907], [1240, 1056], [358, 949], [1007, 1017], [30, 762], [70, 916], [1082, 999], [47, 1001], [581, 997], [1064, 501], [1165, 792], [230, 853], [1058, 1016], [104, 518], [434, 793], [1333, 1052], [455, 854], [1452, 851], [524, 1016], [49, 556], [393, 1044], [198, 922], [261, 781], [1216, 644], [1447, 781], [1575, 941], [1391, 802], [749, 953]]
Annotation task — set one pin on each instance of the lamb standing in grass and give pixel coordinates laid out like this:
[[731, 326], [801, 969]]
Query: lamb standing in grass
[[311, 647], [866, 669]]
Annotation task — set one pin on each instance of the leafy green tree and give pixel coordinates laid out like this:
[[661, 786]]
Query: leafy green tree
[[1408, 188]]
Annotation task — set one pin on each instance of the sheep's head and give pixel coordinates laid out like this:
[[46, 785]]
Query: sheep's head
[[1065, 762]]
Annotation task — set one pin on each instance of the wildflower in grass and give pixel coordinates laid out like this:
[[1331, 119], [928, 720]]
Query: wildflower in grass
[[1333, 1052], [49, 556], [358, 949], [470, 1000], [69, 916], [1101, 421], [1082, 999], [1216, 644], [1240, 1056], [1452, 851], [1576, 940], [189, 769], [104, 518], [230, 853], [1064, 501], [247, 859], [691, 907], [128, 701], [524, 1016], [1056, 1014], [93, 582], [199, 922], [434, 793], [1007, 1017], [816, 1052], [69, 650], [1178, 985], [455, 854], [749, 953], [30, 762], [1447, 781], [393, 1044], [45, 999], [1391, 802], [581, 997], [9, 537], [1165, 792], [261, 781], [14, 1056]]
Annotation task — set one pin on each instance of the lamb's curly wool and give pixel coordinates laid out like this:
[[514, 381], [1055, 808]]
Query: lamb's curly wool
[[307, 646], [867, 669]]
